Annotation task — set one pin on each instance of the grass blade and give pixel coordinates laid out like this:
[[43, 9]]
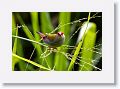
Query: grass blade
[[31, 62], [25, 28], [29, 34], [47, 27], [35, 25], [29, 40], [75, 56], [97, 56], [20, 52], [71, 65], [14, 60], [13, 25], [89, 42], [60, 60]]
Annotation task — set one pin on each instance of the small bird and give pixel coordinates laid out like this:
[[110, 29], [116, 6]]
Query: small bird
[[53, 40]]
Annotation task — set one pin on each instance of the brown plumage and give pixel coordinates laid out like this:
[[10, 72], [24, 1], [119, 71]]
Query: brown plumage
[[53, 40]]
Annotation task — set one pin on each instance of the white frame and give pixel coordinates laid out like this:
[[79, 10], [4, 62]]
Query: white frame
[[104, 6]]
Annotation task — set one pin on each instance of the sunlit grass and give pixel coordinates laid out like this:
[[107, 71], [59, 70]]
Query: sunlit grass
[[63, 58], [60, 60], [31, 62]]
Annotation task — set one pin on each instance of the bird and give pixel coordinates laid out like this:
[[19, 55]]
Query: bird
[[53, 40]]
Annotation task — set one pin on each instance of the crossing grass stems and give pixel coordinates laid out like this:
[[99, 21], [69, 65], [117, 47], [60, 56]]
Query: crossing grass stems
[[47, 63]]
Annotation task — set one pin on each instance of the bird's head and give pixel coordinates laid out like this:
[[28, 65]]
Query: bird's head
[[60, 33]]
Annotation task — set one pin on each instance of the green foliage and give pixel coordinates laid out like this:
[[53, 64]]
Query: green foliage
[[82, 52], [35, 26], [46, 27], [33, 63], [78, 47], [60, 60], [15, 60], [88, 45]]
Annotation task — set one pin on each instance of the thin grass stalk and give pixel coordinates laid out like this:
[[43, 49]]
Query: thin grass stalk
[[47, 27], [35, 25], [89, 42], [60, 60], [33, 41], [20, 53], [14, 60], [31, 62], [25, 28], [13, 25], [71, 65]]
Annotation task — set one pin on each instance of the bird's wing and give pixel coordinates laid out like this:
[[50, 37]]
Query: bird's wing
[[51, 37]]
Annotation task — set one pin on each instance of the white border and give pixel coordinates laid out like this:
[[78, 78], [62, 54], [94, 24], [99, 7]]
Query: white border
[[104, 76]]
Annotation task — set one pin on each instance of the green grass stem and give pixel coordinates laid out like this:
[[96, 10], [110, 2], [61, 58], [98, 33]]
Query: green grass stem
[[31, 62], [89, 42], [47, 27], [71, 65], [14, 60], [60, 60]]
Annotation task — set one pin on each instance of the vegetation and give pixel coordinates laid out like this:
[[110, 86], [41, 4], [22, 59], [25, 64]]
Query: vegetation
[[81, 50]]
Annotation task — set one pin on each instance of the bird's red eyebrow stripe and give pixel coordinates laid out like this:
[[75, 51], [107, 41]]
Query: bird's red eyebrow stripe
[[60, 33]]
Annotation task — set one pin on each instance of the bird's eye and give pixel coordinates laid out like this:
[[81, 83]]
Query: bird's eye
[[44, 37], [60, 33]]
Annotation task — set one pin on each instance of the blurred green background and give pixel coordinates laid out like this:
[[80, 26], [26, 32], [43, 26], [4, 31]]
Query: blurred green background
[[30, 22]]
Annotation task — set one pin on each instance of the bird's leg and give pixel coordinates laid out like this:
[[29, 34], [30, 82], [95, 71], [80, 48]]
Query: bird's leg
[[46, 53], [51, 48]]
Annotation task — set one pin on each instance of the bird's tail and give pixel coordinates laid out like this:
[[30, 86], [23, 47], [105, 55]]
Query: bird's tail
[[41, 34]]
